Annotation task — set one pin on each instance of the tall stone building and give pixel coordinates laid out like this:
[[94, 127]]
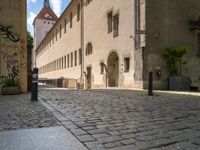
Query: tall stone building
[[115, 43], [13, 37], [42, 24]]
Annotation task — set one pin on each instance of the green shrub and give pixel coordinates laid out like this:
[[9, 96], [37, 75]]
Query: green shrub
[[174, 59]]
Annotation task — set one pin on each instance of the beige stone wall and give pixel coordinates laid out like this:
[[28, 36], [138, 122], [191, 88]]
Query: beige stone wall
[[13, 13], [167, 26], [68, 43], [95, 31]]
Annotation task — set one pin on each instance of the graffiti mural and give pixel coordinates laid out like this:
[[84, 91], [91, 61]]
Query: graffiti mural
[[6, 33], [9, 60]]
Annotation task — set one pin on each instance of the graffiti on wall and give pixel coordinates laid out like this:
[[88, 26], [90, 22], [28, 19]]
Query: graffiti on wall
[[6, 33], [9, 60]]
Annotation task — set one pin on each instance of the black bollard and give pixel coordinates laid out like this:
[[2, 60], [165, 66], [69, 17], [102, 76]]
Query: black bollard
[[34, 94], [150, 86]]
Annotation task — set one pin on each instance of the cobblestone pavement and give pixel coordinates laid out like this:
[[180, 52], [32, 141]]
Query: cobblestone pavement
[[18, 112], [127, 120]]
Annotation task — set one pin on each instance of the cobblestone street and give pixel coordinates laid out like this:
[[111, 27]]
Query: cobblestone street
[[127, 120], [18, 112]]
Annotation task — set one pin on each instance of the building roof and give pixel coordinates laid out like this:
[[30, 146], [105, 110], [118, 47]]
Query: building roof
[[47, 14]]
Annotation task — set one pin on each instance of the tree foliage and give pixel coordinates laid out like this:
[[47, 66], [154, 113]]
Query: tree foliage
[[29, 40], [174, 58]]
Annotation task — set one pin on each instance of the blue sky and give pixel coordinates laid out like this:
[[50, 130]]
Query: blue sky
[[34, 7]]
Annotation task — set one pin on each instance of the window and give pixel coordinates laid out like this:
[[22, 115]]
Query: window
[[67, 60], [89, 49], [198, 44], [59, 63], [75, 58], [88, 1], [78, 12], [126, 64], [101, 67], [62, 66], [71, 20], [56, 34], [110, 21], [116, 25], [71, 59], [54, 64], [65, 30], [60, 30], [80, 56], [52, 38]]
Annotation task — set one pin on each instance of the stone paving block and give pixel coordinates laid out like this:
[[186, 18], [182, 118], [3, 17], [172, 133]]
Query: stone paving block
[[78, 131], [95, 145], [187, 146], [97, 131], [196, 141], [154, 122], [101, 135], [127, 136], [109, 139], [85, 138], [127, 147]]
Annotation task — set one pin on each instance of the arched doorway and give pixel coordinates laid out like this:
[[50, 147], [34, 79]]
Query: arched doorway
[[113, 70]]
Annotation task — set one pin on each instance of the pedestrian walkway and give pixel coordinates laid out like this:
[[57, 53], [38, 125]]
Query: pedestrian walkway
[[127, 119], [53, 138]]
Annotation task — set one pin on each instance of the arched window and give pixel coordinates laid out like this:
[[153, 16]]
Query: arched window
[[89, 49]]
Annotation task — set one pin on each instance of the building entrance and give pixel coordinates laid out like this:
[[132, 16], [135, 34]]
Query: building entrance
[[89, 77], [113, 70]]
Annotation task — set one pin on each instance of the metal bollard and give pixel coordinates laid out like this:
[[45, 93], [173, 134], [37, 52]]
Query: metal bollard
[[150, 86], [34, 94]]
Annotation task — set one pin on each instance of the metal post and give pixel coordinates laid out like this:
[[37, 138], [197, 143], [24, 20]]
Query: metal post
[[34, 94], [150, 86]]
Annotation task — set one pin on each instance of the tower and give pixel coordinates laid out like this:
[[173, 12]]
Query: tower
[[46, 3], [42, 23]]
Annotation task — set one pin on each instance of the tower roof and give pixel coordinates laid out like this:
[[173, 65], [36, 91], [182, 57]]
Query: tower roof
[[46, 13], [46, 3]]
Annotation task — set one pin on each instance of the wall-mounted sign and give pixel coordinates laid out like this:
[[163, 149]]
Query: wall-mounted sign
[[5, 31]]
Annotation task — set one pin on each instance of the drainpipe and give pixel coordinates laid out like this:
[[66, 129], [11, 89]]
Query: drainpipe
[[82, 41]]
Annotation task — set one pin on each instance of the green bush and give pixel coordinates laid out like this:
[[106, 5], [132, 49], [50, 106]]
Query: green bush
[[174, 59]]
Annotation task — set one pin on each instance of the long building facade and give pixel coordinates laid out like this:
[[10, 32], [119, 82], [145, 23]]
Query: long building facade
[[115, 43]]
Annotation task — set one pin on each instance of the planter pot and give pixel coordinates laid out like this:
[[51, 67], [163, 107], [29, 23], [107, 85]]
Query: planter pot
[[179, 83], [10, 90]]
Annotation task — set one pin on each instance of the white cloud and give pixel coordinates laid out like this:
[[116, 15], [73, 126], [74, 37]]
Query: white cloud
[[30, 20], [56, 6], [33, 1]]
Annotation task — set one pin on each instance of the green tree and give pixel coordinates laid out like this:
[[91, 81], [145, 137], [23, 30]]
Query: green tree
[[29, 40], [174, 58]]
